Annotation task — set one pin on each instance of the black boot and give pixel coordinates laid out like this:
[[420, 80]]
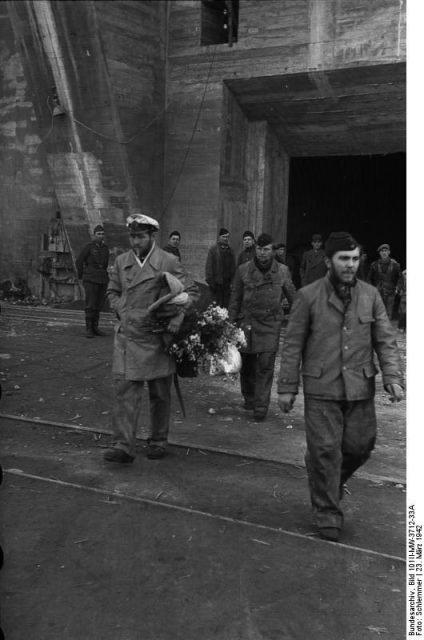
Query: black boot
[[89, 333], [96, 329]]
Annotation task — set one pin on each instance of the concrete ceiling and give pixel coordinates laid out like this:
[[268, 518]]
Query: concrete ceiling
[[352, 111]]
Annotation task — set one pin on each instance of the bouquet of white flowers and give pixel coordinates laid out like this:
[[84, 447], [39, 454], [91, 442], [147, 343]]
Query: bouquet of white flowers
[[211, 346]]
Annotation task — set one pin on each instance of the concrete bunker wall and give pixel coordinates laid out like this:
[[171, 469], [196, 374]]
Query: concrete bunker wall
[[224, 118], [205, 146]]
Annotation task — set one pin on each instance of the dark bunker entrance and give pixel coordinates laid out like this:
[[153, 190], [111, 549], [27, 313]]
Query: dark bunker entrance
[[365, 195]]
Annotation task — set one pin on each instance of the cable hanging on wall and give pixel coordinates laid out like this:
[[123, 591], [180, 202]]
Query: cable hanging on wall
[[54, 112], [133, 137], [58, 110], [199, 111]]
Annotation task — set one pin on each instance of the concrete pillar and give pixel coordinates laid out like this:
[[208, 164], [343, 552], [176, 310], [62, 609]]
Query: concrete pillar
[[267, 172], [276, 188], [255, 172]]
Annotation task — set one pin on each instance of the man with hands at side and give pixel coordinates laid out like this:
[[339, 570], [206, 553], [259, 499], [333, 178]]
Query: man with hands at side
[[336, 324]]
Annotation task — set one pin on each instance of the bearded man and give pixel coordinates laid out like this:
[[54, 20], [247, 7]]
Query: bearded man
[[136, 283], [336, 324]]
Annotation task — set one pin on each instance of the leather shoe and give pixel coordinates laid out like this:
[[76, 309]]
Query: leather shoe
[[155, 452], [259, 416], [329, 533], [118, 455]]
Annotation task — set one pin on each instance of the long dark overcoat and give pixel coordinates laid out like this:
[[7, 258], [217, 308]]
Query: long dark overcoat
[[214, 274]]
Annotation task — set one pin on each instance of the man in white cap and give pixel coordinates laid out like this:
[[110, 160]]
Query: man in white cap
[[136, 282], [384, 274]]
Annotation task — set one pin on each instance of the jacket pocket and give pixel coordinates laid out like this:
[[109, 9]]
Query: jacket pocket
[[313, 371], [366, 319], [370, 370]]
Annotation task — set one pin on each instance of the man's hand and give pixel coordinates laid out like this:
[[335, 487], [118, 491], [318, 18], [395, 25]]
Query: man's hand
[[395, 392], [175, 323], [286, 401]]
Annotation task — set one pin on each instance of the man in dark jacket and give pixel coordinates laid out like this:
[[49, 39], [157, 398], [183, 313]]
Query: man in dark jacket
[[256, 306], [173, 244], [335, 325], [220, 269], [280, 252], [248, 252], [384, 274], [313, 264], [92, 265]]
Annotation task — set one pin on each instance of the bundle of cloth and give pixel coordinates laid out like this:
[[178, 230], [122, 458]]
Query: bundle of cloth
[[172, 310]]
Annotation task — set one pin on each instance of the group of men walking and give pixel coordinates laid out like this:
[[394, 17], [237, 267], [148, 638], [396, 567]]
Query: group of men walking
[[336, 324]]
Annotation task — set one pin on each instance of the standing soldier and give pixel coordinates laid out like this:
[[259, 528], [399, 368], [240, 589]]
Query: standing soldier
[[92, 265], [220, 269], [313, 264], [384, 274], [256, 306], [335, 325], [136, 282], [173, 245], [401, 291], [280, 252], [248, 252], [364, 267]]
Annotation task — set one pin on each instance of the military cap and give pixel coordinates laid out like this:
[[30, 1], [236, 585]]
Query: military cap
[[339, 241], [263, 240], [141, 222]]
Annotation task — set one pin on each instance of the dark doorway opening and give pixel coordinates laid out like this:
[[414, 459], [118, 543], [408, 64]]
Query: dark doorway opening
[[365, 195]]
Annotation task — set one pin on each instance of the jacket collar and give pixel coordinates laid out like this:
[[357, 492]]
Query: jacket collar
[[333, 298], [257, 274], [150, 269]]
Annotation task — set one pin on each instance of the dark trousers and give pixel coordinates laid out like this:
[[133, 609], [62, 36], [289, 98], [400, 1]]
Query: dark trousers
[[256, 376], [221, 294], [340, 436], [402, 315], [129, 412], [94, 297], [389, 301]]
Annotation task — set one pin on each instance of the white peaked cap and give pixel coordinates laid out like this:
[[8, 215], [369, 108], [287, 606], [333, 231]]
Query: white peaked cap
[[141, 219]]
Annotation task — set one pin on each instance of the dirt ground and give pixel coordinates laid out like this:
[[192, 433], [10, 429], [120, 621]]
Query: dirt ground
[[214, 541]]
